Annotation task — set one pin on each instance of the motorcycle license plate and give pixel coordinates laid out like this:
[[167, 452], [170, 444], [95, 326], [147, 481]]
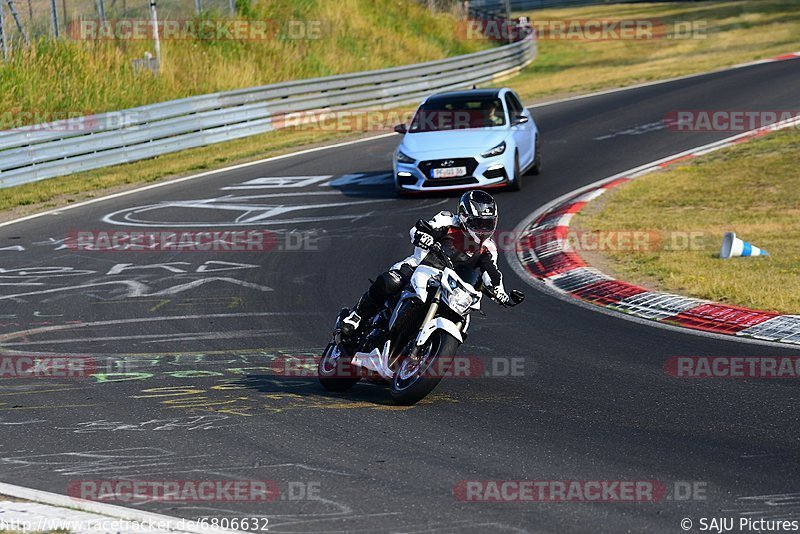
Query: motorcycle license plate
[[448, 172]]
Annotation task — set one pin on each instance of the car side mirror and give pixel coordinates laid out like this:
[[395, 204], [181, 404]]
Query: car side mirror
[[522, 119], [517, 296], [401, 129]]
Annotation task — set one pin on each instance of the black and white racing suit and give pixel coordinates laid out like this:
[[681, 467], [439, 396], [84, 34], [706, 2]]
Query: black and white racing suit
[[462, 249]]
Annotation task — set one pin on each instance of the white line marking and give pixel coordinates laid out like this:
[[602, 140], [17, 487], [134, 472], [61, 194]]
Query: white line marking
[[139, 289], [54, 328], [58, 211], [152, 338], [275, 182], [242, 213]]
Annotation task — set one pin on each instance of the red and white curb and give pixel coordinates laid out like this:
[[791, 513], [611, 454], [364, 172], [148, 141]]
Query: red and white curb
[[784, 57], [545, 254]]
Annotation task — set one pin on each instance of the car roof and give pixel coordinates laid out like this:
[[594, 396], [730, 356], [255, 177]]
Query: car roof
[[470, 93]]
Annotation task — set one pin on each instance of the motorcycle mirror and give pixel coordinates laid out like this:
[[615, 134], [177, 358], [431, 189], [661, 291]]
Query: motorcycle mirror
[[517, 296]]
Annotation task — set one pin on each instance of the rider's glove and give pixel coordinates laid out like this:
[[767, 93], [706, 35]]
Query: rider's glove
[[501, 296], [423, 240]]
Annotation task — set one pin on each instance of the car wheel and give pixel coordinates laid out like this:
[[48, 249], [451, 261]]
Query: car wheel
[[401, 193], [514, 183]]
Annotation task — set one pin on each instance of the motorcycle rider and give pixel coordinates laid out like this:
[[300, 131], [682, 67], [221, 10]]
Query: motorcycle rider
[[465, 236]]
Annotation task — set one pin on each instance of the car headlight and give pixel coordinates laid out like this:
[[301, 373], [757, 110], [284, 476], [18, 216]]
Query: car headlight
[[496, 151], [402, 158]]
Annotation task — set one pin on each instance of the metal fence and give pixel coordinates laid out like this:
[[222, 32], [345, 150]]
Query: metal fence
[[23, 20], [59, 148]]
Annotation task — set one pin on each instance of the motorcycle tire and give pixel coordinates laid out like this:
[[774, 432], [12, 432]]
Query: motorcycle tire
[[409, 386], [335, 374]]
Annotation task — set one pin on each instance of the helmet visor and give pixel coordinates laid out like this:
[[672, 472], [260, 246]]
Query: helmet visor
[[482, 226]]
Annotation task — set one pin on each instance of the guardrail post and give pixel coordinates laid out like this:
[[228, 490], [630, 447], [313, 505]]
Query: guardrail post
[[156, 41], [507, 22], [3, 37], [15, 15], [54, 17], [101, 11]]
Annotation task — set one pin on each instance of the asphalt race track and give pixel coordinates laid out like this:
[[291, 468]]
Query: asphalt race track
[[200, 333]]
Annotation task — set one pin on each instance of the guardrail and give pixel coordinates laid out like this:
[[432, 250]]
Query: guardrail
[[43, 151], [499, 6]]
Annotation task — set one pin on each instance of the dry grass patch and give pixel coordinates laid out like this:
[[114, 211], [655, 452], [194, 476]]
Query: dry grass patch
[[752, 189]]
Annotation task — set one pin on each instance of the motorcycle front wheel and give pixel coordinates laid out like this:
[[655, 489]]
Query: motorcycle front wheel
[[416, 377], [334, 371]]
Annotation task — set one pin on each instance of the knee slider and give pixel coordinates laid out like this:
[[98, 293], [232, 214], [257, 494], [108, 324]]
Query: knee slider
[[386, 284]]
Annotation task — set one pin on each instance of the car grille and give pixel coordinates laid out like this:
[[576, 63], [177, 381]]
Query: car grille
[[444, 182], [425, 166]]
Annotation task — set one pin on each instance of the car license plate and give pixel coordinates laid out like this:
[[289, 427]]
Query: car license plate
[[448, 172]]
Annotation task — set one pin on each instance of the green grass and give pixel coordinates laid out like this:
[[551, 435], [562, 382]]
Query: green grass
[[80, 76], [752, 189], [737, 32]]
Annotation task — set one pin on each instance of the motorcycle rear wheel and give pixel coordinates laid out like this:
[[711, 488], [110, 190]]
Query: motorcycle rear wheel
[[334, 373]]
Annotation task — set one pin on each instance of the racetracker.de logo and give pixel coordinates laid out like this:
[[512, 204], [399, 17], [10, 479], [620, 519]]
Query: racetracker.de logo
[[726, 120], [174, 490], [195, 29], [597, 30], [217, 240], [560, 491], [29, 366], [634, 241], [499, 29], [443, 366], [378, 120], [733, 366], [50, 121]]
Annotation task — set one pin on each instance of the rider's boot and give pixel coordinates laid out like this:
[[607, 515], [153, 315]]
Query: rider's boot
[[361, 314], [386, 285]]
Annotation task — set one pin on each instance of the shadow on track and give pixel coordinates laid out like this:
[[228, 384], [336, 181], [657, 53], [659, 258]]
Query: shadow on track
[[366, 184], [364, 391], [380, 184]]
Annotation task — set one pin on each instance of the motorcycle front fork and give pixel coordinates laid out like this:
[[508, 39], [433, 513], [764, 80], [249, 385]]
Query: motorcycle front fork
[[434, 307]]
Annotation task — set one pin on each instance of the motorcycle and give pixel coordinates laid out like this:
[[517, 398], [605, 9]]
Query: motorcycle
[[412, 341]]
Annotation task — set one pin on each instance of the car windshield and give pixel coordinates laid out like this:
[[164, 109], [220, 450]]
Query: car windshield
[[462, 113]]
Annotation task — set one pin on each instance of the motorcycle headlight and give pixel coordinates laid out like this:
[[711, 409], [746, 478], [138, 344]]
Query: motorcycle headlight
[[453, 283], [460, 301], [403, 158], [496, 151]]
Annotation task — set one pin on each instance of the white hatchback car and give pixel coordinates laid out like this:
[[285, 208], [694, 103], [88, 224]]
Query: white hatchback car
[[479, 138]]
